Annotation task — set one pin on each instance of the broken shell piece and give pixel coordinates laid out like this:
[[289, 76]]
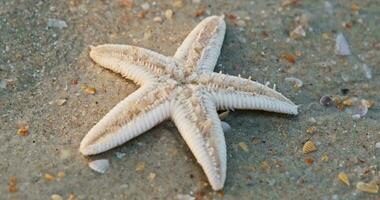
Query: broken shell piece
[[309, 147], [298, 32], [100, 166], [344, 178], [367, 187], [341, 46]]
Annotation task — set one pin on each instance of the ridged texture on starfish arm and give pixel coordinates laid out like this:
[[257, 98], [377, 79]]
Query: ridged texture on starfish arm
[[136, 114], [201, 48], [135, 63], [195, 116]]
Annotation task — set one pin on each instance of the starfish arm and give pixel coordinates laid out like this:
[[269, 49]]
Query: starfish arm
[[139, 64], [201, 48], [231, 92], [139, 112], [197, 120]]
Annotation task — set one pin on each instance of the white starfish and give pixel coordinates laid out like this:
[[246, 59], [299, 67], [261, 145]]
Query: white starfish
[[182, 88]]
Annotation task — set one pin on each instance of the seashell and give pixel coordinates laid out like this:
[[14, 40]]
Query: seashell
[[326, 101], [309, 147], [367, 187], [100, 166], [344, 178]]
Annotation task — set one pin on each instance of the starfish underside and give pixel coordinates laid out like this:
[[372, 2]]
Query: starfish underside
[[182, 88]]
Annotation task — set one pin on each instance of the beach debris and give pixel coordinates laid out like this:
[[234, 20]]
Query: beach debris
[[341, 45], [185, 197], [371, 187], [152, 176], [297, 83], [100, 166], [298, 32], [309, 161], [49, 177], [157, 19], [56, 23], [120, 155], [140, 167], [56, 197], [355, 8], [12, 184], [264, 166], [326, 100], [367, 71], [23, 130], [288, 57], [145, 6], [344, 178], [243, 146], [325, 158], [225, 126], [168, 14], [223, 115], [309, 147], [311, 130], [88, 89], [58, 102], [61, 174]]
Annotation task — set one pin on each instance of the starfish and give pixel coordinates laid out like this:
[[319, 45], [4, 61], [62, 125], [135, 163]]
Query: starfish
[[182, 88]]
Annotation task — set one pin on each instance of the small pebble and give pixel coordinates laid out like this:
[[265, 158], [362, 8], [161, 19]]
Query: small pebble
[[225, 126], [341, 45], [56, 23], [168, 14], [100, 166], [326, 101], [145, 6], [157, 19], [377, 145], [120, 155], [56, 197]]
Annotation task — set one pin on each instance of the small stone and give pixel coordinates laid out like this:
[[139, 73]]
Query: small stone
[[145, 6], [56, 197], [56, 23], [326, 101], [377, 145], [100, 166], [168, 14], [225, 126], [23, 130], [120, 155], [157, 19], [12, 184], [341, 45], [58, 102], [61, 174], [89, 90], [151, 176]]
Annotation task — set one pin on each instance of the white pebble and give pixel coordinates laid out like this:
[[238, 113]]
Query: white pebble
[[367, 71], [56, 23], [225, 126], [145, 6], [100, 166], [120, 155], [377, 145], [341, 45]]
